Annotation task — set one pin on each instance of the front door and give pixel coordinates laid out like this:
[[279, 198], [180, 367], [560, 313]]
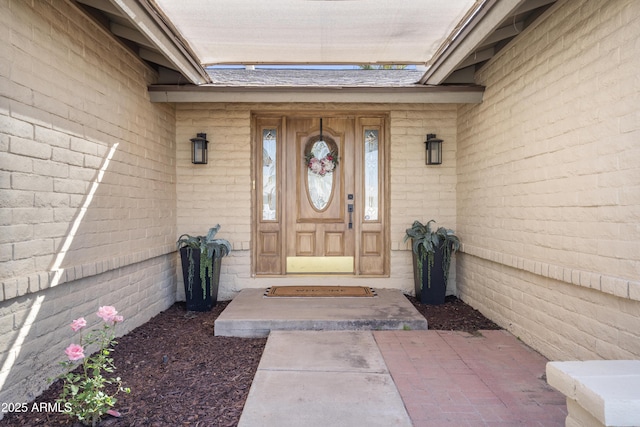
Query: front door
[[320, 194]]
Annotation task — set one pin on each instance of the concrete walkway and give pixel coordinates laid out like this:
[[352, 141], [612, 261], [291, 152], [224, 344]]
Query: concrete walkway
[[321, 379], [371, 362], [401, 378]]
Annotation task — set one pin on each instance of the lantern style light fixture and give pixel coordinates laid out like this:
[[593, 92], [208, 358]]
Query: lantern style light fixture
[[434, 150], [199, 151]]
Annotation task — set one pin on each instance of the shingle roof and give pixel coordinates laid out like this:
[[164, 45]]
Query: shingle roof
[[313, 78]]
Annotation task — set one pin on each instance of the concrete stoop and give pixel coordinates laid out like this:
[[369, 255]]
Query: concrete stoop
[[252, 315]]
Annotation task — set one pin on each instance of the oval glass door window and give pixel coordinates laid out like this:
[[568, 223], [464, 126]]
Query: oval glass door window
[[320, 175]]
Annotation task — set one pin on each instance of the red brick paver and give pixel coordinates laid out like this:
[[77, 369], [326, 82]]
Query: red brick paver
[[450, 378]]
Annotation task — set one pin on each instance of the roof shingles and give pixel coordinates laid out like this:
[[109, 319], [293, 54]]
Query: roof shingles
[[313, 78]]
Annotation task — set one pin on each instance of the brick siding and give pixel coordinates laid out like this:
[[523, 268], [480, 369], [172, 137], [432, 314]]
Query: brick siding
[[548, 184], [87, 187]]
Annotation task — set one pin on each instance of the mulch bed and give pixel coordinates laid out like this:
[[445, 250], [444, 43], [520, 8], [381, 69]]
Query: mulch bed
[[180, 374], [453, 315]]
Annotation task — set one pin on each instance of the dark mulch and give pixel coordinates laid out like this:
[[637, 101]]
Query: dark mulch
[[182, 375], [453, 315]]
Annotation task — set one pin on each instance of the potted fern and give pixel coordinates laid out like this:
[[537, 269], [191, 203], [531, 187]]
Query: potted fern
[[206, 252], [432, 250]]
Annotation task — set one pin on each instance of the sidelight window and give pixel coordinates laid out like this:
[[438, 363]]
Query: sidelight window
[[269, 174], [371, 175]]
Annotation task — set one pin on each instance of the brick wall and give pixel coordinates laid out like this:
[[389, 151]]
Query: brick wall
[[549, 186], [87, 187], [220, 192]]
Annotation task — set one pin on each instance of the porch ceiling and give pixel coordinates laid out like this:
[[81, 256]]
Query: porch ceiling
[[446, 40]]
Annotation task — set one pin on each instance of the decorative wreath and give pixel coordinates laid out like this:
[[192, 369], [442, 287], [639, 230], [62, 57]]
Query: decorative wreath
[[324, 165]]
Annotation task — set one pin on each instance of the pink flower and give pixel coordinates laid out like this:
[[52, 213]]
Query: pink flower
[[78, 324], [327, 164], [114, 413], [117, 319], [315, 165], [107, 313], [74, 352]]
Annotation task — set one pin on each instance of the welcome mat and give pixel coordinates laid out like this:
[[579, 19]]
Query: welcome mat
[[320, 291]]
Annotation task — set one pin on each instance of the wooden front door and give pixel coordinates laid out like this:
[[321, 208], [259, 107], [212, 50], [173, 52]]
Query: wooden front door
[[320, 202], [320, 194]]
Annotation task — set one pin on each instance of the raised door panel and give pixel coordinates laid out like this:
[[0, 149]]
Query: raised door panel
[[306, 243], [334, 242]]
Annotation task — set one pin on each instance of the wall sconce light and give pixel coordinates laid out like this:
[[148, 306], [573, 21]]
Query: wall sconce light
[[199, 154], [434, 150]]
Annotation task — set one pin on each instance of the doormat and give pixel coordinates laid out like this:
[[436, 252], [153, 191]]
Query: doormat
[[320, 291]]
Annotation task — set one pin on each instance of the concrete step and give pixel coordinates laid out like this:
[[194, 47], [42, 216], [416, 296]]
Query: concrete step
[[251, 314]]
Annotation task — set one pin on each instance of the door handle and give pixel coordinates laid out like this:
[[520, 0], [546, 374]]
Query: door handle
[[350, 210]]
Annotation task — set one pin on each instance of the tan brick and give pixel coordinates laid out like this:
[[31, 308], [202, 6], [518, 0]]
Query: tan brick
[[634, 291], [20, 181], [32, 248], [13, 90], [52, 137]]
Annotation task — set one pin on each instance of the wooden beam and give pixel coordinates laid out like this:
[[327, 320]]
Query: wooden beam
[[506, 32], [155, 57], [418, 94], [130, 34], [477, 57]]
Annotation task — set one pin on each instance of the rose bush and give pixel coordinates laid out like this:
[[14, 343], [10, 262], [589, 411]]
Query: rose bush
[[83, 394]]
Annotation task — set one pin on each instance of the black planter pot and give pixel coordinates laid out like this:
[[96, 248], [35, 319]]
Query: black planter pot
[[432, 291], [196, 299]]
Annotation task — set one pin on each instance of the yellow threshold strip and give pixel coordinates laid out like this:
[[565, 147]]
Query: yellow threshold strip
[[324, 264]]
